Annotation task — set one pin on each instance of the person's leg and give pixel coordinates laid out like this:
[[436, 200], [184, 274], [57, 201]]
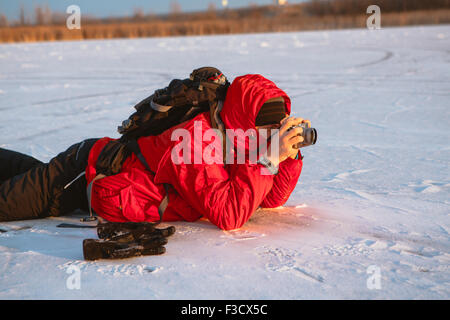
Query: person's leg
[[13, 163], [39, 192]]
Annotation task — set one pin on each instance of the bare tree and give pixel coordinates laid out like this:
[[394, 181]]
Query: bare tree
[[3, 21], [42, 16], [212, 7], [138, 14], [58, 18], [38, 16], [254, 10], [152, 15], [212, 10], [47, 14], [22, 18], [175, 8]]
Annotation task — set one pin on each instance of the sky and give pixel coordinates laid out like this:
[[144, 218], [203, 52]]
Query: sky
[[105, 8]]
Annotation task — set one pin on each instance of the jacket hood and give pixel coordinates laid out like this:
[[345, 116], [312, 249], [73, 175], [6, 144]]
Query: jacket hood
[[244, 99]]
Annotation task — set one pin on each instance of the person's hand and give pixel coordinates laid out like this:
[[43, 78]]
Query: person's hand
[[287, 139]]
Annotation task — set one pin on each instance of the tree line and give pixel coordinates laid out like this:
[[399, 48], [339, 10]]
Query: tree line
[[45, 25]]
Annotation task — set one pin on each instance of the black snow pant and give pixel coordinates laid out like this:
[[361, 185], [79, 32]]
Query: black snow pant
[[31, 189]]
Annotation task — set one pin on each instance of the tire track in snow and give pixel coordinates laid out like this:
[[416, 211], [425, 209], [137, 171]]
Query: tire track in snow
[[387, 55], [43, 133], [87, 96]]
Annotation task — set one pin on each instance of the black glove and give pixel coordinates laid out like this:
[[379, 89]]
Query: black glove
[[120, 240]]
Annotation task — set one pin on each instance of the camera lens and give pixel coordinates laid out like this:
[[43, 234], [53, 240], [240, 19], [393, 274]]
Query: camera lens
[[309, 136], [314, 135]]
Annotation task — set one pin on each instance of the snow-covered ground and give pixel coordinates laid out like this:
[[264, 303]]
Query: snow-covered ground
[[373, 195]]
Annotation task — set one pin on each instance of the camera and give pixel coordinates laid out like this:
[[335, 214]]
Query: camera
[[309, 135]]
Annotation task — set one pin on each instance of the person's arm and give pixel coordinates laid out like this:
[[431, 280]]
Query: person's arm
[[284, 182], [289, 162], [226, 197]]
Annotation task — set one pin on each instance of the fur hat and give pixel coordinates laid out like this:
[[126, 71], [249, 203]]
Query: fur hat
[[271, 112]]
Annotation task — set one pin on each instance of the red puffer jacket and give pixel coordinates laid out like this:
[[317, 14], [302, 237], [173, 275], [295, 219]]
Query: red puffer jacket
[[225, 194]]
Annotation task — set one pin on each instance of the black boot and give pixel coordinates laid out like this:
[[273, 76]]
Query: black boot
[[103, 249], [131, 230], [125, 240]]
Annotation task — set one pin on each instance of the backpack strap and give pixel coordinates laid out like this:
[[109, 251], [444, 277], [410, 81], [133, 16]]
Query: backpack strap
[[89, 197], [133, 146], [159, 107], [164, 203], [216, 123], [116, 162]]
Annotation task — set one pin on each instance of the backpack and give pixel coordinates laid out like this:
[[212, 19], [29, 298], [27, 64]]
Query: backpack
[[180, 101]]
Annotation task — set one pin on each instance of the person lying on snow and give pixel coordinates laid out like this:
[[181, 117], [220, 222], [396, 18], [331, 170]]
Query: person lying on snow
[[225, 193]]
